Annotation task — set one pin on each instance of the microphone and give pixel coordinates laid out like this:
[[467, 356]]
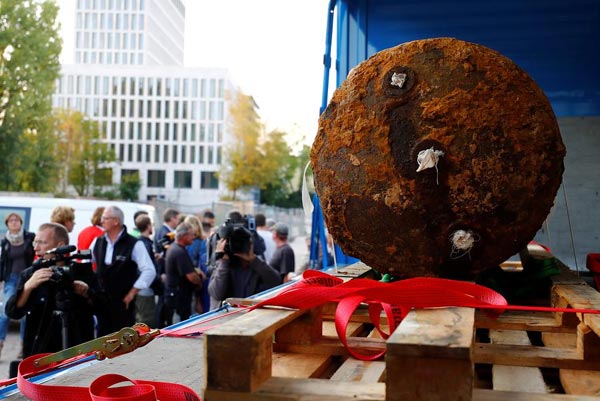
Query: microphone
[[61, 250]]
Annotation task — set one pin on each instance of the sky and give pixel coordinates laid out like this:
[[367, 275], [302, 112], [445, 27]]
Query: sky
[[273, 50]]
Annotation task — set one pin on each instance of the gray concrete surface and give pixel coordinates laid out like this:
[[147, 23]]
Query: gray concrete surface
[[10, 350], [574, 232]]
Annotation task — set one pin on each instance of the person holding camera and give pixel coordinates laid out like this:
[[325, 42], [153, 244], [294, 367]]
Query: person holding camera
[[49, 302], [182, 277], [239, 272]]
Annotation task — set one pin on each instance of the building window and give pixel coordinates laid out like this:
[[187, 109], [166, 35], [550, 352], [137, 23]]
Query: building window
[[201, 154], [103, 177], [148, 153], [182, 179], [128, 173], [156, 178], [209, 180]]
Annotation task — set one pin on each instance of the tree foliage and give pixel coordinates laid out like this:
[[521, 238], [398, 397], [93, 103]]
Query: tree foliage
[[29, 65], [78, 141], [259, 160], [243, 154], [130, 186]]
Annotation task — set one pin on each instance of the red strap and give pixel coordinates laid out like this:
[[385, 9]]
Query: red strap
[[396, 299], [100, 389]]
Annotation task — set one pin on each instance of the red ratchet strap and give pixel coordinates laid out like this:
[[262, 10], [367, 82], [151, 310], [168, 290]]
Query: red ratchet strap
[[100, 389], [396, 299]]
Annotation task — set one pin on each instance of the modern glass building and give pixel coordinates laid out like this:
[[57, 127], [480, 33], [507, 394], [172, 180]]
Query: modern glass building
[[164, 122]]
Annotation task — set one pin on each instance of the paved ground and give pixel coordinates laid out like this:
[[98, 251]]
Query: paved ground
[[10, 349]]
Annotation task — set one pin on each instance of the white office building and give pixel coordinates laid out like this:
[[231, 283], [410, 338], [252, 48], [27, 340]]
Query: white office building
[[164, 122]]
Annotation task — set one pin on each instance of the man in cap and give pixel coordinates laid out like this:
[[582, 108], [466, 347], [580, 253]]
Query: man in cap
[[283, 259]]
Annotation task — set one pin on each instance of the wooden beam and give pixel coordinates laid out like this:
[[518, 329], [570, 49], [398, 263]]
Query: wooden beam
[[429, 356], [286, 389], [580, 382], [239, 352], [544, 357], [521, 320], [491, 395]]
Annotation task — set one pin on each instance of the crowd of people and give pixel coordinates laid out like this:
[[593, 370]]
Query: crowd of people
[[64, 295]]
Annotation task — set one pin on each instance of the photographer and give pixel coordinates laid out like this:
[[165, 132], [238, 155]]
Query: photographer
[[239, 273], [234, 218], [50, 301]]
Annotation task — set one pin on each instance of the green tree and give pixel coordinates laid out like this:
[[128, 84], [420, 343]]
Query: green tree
[[243, 168], [29, 65], [130, 186], [41, 176], [82, 150], [278, 167]]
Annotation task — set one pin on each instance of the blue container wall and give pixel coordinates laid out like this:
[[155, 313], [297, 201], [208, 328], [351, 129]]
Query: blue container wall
[[556, 42]]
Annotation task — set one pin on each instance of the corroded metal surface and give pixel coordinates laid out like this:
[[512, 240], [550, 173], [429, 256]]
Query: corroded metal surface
[[501, 166]]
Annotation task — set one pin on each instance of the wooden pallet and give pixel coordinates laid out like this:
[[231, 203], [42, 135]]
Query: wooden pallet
[[274, 354]]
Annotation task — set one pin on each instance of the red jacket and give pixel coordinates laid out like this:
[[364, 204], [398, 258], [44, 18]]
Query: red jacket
[[87, 236]]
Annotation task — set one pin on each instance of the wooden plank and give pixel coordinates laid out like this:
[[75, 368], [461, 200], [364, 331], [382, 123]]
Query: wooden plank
[[579, 296], [429, 356], [353, 370], [286, 389], [491, 395], [239, 352], [521, 320], [515, 378], [299, 365], [305, 329], [331, 345], [532, 356], [354, 329], [593, 322], [580, 382]]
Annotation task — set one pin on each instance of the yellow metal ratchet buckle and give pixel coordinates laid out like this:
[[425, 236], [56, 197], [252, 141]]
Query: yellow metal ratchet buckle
[[121, 342]]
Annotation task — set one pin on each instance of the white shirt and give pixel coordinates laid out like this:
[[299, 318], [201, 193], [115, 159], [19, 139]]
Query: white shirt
[[269, 243], [140, 256]]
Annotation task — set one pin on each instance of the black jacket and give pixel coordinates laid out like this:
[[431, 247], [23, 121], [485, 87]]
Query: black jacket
[[118, 278], [50, 307], [6, 264]]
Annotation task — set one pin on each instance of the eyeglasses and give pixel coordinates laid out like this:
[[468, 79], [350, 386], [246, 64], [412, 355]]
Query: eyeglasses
[[107, 217], [14, 219], [36, 243]]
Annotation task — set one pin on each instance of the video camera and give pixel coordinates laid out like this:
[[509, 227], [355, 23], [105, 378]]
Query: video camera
[[167, 240], [77, 265], [238, 234]]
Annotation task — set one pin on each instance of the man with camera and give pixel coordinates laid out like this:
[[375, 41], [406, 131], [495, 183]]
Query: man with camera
[[239, 272], [49, 297]]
